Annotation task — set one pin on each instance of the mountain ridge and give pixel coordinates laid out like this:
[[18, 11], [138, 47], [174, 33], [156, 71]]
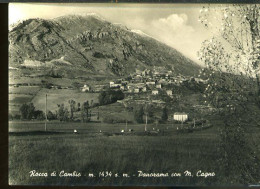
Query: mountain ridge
[[93, 44]]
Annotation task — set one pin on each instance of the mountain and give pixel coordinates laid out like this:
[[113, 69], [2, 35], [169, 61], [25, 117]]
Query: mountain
[[93, 45]]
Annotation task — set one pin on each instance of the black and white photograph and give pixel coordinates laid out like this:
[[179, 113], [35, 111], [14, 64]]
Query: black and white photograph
[[127, 94]]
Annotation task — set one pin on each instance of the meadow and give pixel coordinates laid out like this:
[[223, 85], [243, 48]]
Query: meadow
[[59, 96], [92, 151]]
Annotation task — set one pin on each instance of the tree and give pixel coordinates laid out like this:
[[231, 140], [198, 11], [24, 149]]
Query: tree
[[98, 113], [235, 46], [85, 112], [235, 50], [138, 114], [27, 111], [50, 115], [164, 117], [78, 106], [237, 161], [72, 104], [62, 113]]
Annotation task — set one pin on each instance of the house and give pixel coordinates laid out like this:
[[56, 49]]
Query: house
[[150, 83], [122, 87], [111, 83], [169, 92], [137, 90], [180, 116], [155, 92], [85, 88], [158, 86], [114, 85], [144, 89]]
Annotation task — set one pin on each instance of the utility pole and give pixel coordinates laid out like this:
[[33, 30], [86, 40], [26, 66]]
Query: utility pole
[[172, 120], [145, 129], [46, 113], [126, 124], [126, 117], [145, 126]]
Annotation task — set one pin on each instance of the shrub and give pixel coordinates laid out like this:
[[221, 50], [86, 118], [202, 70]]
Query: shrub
[[38, 114], [51, 116]]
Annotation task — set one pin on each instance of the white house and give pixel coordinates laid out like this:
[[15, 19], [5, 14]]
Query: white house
[[85, 88], [155, 92], [169, 92], [178, 116], [111, 83], [150, 83], [158, 86], [136, 90], [122, 87], [144, 89]]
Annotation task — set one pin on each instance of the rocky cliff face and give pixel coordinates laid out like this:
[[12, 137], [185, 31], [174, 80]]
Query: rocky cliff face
[[92, 44]]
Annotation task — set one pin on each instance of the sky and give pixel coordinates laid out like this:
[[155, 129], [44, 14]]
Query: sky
[[176, 25]]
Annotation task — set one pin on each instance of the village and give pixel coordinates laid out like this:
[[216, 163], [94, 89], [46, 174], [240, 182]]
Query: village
[[147, 81], [147, 87]]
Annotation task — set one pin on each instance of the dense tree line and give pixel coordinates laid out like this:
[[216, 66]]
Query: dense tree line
[[110, 96]]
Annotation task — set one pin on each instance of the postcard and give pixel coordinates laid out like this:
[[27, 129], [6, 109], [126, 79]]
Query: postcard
[[105, 94]]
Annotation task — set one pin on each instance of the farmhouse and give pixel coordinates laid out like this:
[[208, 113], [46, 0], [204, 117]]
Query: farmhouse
[[178, 116]]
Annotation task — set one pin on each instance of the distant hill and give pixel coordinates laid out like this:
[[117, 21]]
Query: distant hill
[[91, 44]]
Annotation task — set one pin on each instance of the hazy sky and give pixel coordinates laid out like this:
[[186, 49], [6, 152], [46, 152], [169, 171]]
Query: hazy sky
[[174, 24]]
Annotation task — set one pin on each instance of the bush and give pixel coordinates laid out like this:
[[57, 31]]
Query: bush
[[38, 114], [51, 116]]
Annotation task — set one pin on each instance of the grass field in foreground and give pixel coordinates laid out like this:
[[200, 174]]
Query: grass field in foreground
[[86, 153]]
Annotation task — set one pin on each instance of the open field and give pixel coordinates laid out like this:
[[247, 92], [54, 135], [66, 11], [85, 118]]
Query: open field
[[36, 95], [59, 96], [94, 152]]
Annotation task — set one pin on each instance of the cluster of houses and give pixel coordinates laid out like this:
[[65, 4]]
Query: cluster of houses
[[144, 81]]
